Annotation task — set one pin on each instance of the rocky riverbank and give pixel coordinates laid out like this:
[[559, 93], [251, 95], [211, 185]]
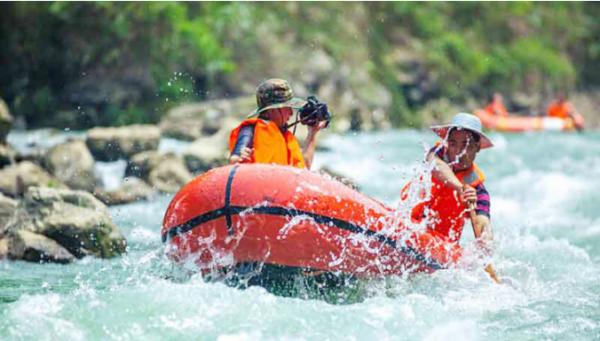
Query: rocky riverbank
[[53, 204]]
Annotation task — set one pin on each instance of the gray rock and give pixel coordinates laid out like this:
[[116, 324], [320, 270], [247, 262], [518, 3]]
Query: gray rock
[[15, 179], [236, 107], [207, 153], [7, 209], [7, 155], [132, 190], [165, 172], [140, 165], [204, 158], [212, 115], [36, 155], [33, 247], [216, 124], [185, 129], [74, 219], [110, 144], [213, 123], [6, 121], [73, 164], [4, 243], [169, 177]]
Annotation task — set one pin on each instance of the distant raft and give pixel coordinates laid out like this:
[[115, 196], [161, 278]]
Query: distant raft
[[529, 123], [293, 218]]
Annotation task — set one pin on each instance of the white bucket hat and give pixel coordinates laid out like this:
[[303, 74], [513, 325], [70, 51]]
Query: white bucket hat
[[464, 121]]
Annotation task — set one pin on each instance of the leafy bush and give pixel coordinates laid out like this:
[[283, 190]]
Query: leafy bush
[[126, 62]]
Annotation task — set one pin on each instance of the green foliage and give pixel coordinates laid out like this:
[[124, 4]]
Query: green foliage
[[461, 65], [58, 42], [127, 62], [131, 114], [531, 55], [495, 46]]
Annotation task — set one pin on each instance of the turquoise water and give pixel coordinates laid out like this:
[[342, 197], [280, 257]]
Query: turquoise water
[[546, 220]]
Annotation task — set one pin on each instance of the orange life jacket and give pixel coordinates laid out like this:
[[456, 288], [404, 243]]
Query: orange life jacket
[[446, 212], [270, 144], [560, 110], [496, 108]]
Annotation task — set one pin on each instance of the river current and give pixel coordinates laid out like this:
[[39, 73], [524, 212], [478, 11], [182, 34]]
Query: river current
[[545, 211]]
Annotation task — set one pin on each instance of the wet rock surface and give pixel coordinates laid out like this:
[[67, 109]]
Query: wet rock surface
[[7, 155], [170, 177], [165, 172], [6, 121], [7, 209], [111, 144], [140, 165], [75, 220], [15, 179], [206, 153], [73, 164], [33, 247], [132, 190], [187, 129]]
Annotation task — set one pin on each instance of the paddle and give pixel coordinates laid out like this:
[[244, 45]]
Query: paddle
[[477, 233]]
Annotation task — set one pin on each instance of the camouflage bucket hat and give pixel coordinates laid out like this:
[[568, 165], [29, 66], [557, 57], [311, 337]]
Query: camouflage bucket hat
[[275, 93]]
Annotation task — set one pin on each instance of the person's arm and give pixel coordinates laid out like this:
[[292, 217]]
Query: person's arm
[[485, 226], [311, 143], [482, 218], [443, 173], [242, 152], [570, 110]]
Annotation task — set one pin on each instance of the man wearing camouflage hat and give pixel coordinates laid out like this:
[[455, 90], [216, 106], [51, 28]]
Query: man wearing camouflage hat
[[264, 138]]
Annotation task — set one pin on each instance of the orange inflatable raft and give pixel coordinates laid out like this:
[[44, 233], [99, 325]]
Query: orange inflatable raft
[[295, 218], [530, 123]]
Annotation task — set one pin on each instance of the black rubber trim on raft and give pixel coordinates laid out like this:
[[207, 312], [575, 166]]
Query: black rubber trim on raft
[[288, 212], [190, 224], [227, 207]]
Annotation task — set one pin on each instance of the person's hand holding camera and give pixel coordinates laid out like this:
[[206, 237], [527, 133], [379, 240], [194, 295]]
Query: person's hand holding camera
[[314, 129], [316, 116], [315, 113]]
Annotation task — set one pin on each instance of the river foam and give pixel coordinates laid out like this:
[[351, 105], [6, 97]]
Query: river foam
[[547, 249]]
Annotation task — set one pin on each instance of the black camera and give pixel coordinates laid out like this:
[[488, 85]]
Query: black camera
[[314, 112]]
